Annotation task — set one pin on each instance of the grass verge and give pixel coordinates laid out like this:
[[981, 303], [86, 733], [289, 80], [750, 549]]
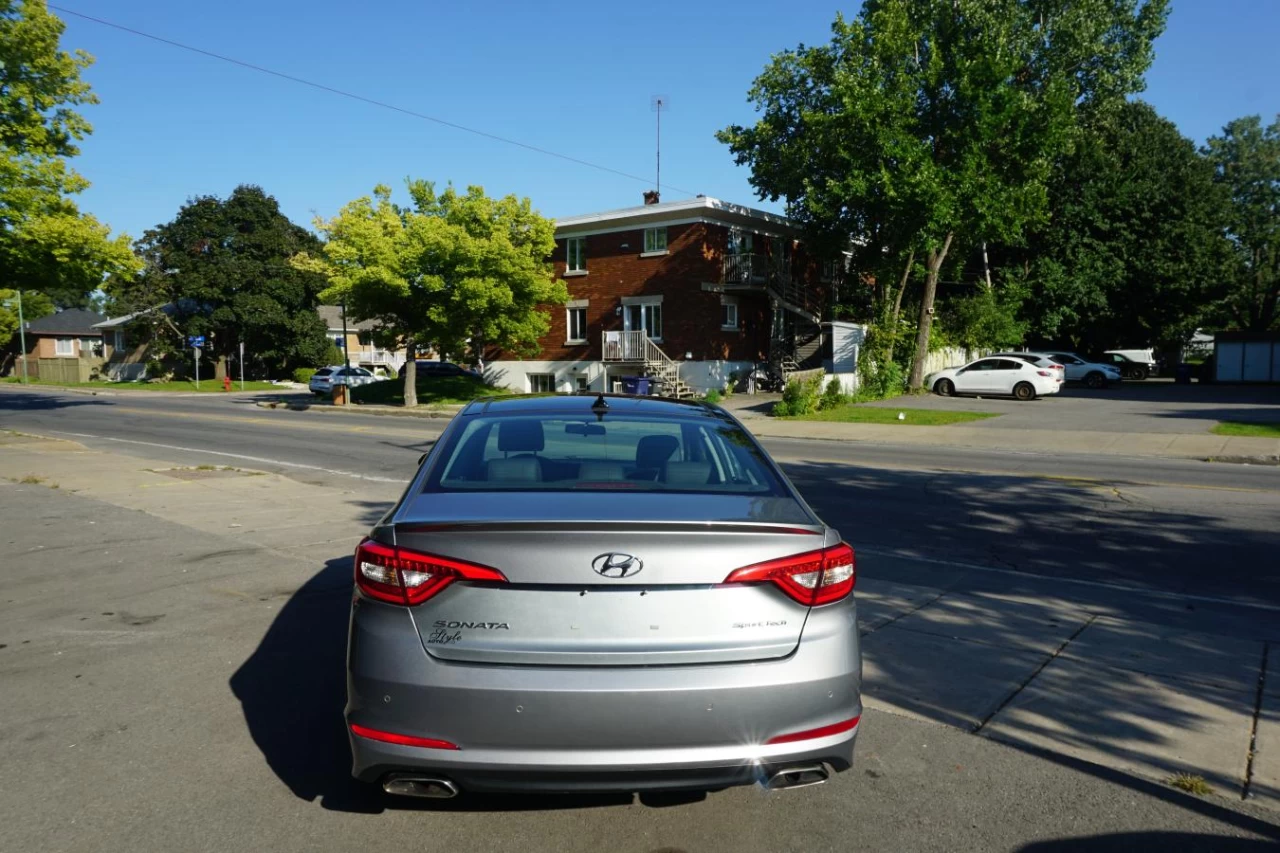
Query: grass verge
[[854, 414], [206, 385], [432, 390], [1247, 429]]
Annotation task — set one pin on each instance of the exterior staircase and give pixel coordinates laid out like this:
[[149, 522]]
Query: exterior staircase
[[637, 348]]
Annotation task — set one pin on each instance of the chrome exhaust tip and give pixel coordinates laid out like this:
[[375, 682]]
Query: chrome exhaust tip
[[427, 787], [801, 776]]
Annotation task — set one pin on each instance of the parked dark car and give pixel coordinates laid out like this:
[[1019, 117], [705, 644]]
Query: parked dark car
[[439, 368]]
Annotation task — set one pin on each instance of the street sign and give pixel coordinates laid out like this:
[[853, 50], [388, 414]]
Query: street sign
[[195, 341]]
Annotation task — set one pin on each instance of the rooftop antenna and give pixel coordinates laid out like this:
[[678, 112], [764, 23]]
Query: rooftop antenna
[[659, 104]]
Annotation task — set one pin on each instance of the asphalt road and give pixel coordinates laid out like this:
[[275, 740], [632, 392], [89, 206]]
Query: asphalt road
[[939, 516], [169, 689]]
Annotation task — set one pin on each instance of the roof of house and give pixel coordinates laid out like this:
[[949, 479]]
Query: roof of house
[[125, 319], [332, 316], [700, 209], [73, 321]]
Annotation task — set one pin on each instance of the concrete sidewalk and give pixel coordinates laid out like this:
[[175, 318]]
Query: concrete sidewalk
[[1169, 445], [1037, 671]]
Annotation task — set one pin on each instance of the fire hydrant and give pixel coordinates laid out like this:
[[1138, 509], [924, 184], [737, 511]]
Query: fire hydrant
[[226, 383]]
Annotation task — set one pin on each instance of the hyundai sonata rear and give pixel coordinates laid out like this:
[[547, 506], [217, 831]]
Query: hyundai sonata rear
[[593, 594]]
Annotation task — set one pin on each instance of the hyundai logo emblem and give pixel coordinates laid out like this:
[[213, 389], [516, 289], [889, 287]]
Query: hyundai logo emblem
[[617, 565]]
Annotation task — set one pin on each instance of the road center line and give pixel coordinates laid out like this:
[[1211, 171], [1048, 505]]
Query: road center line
[[242, 456], [1116, 587]]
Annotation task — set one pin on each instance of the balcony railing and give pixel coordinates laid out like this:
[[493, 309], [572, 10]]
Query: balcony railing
[[376, 356], [626, 346]]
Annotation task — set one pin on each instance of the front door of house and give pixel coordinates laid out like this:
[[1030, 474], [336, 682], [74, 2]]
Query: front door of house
[[645, 318]]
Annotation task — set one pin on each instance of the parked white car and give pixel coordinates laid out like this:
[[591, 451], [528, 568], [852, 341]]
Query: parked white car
[[1093, 374], [1133, 363], [1038, 359], [994, 377], [323, 380]]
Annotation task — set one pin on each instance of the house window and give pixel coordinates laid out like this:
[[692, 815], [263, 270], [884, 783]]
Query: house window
[[64, 346], [644, 317], [741, 242], [828, 270], [729, 312], [583, 383], [655, 240], [575, 254], [577, 325], [542, 383], [91, 346], [340, 341], [117, 341]]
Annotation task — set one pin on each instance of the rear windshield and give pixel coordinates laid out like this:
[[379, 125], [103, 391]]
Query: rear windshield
[[324, 371], [627, 453]]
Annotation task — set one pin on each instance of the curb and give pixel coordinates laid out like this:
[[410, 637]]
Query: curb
[[443, 413]]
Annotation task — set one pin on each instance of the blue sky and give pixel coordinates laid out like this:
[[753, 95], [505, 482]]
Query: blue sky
[[575, 77]]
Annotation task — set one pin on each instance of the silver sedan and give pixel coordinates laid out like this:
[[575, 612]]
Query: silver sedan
[[584, 593]]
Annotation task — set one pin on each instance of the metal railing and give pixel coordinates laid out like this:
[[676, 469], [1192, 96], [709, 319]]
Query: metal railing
[[376, 356], [626, 346]]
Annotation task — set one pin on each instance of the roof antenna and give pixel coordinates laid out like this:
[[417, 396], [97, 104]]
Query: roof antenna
[[659, 104]]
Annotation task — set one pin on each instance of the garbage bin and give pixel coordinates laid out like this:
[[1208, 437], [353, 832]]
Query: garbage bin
[[643, 386], [1182, 374], [629, 384]]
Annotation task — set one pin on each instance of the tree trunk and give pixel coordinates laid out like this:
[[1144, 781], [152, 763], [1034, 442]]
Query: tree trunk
[[897, 306], [936, 257], [411, 375], [220, 368]]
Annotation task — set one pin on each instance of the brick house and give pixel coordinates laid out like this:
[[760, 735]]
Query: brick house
[[692, 292], [359, 341], [64, 347]]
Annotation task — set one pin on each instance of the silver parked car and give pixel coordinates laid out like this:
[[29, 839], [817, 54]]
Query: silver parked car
[[584, 593]]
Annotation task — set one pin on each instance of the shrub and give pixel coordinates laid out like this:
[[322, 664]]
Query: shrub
[[881, 381], [303, 375], [800, 398], [333, 355], [833, 395], [713, 396]]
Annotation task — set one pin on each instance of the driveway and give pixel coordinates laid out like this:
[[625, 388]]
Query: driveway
[[1153, 406]]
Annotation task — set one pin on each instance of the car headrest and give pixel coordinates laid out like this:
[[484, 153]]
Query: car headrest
[[653, 451], [520, 436], [518, 469], [687, 473]]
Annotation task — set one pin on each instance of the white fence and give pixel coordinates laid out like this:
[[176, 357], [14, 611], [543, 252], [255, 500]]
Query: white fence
[[940, 359]]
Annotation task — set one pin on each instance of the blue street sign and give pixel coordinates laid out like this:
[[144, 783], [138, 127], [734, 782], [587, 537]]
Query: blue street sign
[[195, 340]]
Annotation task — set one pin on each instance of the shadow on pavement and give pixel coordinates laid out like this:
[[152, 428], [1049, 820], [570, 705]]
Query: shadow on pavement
[[28, 401], [1150, 842], [292, 690]]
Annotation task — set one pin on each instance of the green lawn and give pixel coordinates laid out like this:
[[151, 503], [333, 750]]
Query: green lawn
[[1248, 429], [206, 385], [855, 414], [436, 390]]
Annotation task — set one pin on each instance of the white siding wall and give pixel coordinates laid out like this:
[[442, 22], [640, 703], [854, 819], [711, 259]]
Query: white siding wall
[[702, 376]]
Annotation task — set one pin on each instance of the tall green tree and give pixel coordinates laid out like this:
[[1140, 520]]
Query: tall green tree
[[1134, 250], [46, 243], [460, 271], [1246, 160], [933, 123], [225, 266]]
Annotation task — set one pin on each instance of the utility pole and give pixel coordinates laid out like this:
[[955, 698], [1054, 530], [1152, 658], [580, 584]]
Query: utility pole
[[346, 351], [986, 267], [22, 337], [242, 365]]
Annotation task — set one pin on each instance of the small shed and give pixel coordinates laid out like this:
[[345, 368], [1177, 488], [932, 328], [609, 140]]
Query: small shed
[[840, 350], [1245, 357]]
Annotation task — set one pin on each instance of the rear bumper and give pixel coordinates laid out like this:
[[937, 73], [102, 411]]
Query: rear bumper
[[598, 728]]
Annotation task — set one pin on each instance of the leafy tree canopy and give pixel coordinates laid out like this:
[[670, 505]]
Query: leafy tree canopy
[[460, 271], [224, 265], [1134, 252], [46, 244], [1246, 160], [927, 122]]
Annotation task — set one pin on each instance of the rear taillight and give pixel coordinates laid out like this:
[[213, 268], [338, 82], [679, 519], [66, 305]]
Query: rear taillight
[[401, 576], [1044, 373], [813, 578]]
